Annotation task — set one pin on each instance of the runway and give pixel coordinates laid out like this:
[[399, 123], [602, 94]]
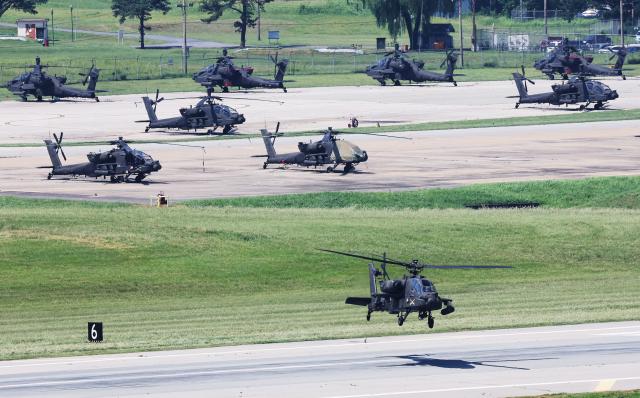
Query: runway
[[429, 159], [494, 363], [302, 109]]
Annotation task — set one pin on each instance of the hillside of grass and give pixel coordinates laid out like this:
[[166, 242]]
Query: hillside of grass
[[197, 276], [602, 192]]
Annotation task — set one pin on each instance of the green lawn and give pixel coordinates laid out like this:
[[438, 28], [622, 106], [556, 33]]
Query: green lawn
[[192, 276], [610, 394]]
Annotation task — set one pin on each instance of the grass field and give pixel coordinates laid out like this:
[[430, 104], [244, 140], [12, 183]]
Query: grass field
[[610, 394], [194, 276]]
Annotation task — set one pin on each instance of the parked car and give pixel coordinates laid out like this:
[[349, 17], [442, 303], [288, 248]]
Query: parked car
[[590, 13], [631, 48], [596, 42]]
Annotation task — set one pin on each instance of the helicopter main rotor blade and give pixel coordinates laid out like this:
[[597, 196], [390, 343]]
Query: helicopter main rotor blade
[[387, 260], [465, 266]]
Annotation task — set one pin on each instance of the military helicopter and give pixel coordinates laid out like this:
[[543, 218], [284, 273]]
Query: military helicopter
[[395, 67], [329, 151], [224, 74], [577, 90], [39, 84], [411, 293], [119, 163], [206, 113], [565, 60]]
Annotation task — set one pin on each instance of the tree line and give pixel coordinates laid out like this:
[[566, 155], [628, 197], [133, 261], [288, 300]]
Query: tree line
[[412, 17]]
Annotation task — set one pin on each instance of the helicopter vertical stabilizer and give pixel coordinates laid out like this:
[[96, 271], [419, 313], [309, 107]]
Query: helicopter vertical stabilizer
[[268, 142], [51, 148], [149, 107], [94, 73], [282, 69], [451, 64], [522, 91]]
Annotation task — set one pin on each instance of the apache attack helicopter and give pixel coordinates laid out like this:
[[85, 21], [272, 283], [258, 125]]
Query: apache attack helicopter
[[224, 74], [565, 60], [576, 90], [119, 163], [329, 151], [206, 113], [395, 67], [411, 293], [39, 84]]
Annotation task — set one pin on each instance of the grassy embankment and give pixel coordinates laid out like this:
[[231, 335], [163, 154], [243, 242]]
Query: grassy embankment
[[325, 22], [193, 275]]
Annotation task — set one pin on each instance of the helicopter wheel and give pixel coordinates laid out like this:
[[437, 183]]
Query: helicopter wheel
[[264, 166], [396, 82], [368, 316], [382, 82], [226, 129], [97, 99], [146, 130], [455, 84], [39, 98], [582, 107], [431, 322], [624, 77], [329, 169], [598, 106], [517, 105], [400, 320], [24, 98], [225, 89], [49, 176], [284, 89]]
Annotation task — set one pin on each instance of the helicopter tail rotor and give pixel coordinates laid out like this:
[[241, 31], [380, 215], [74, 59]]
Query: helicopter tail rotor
[[59, 145], [157, 100]]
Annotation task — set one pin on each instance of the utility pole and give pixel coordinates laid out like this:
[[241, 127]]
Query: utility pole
[[461, 40], [72, 34], [185, 49], [621, 23], [546, 32], [259, 19], [53, 30]]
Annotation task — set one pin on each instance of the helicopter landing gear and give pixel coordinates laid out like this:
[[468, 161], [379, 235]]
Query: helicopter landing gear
[[139, 178], [598, 105], [382, 82], [117, 179], [517, 105], [349, 167], [225, 89], [97, 99], [431, 321], [624, 77], [23, 98], [402, 318], [396, 82], [49, 176], [329, 169], [455, 84], [284, 89], [39, 98], [227, 129], [368, 316], [264, 166], [146, 129]]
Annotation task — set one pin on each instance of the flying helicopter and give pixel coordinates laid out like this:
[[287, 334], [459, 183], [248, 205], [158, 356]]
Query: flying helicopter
[[412, 293], [39, 84], [329, 151], [206, 113], [576, 90], [565, 60], [118, 164], [395, 67], [225, 74]]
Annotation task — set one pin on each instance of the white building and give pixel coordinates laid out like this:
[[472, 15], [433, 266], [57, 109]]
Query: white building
[[34, 29]]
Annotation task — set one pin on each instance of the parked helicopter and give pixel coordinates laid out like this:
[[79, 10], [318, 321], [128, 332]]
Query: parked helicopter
[[411, 293], [576, 90], [224, 74], [565, 60], [329, 151], [206, 113], [39, 84], [119, 163], [395, 67]]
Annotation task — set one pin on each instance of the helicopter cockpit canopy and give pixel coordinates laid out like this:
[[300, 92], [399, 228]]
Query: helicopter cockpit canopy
[[349, 152]]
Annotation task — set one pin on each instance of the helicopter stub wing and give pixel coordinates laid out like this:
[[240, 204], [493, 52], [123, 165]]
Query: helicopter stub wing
[[362, 301]]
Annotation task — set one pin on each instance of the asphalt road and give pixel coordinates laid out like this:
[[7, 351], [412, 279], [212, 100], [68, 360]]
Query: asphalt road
[[495, 363]]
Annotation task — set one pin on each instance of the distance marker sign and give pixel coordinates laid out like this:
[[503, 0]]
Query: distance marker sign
[[94, 332]]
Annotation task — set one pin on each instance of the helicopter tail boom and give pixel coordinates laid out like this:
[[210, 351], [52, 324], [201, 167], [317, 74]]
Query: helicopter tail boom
[[522, 91], [268, 139], [362, 301]]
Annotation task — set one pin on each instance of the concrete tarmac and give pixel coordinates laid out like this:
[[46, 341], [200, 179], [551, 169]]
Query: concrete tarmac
[[303, 109], [494, 363], [430, 159]]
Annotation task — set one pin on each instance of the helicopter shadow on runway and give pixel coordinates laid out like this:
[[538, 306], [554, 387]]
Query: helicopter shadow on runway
[[426, 360], [107, 182], [322, 171], [570, 109]]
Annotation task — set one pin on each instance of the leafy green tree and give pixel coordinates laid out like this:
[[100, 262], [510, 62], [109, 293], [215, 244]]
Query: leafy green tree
[[246, 8], [140, 10], [412, 16], [21, 5]]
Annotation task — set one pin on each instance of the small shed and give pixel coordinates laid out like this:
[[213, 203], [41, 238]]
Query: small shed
[[439, 36], [34, 29]]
